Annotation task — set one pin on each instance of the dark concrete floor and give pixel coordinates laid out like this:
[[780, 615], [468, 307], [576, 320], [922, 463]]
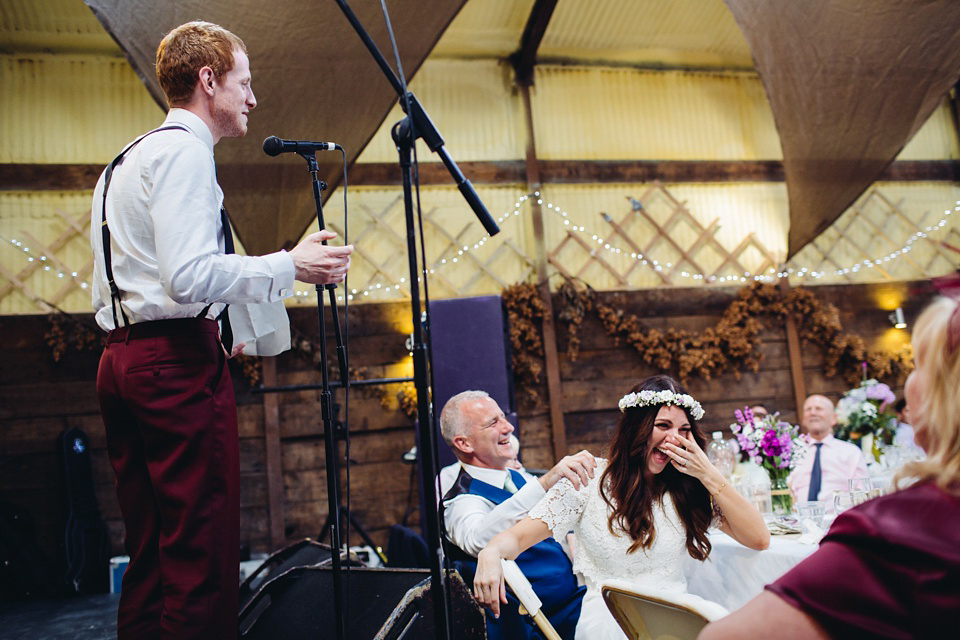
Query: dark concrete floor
[[80, 618]]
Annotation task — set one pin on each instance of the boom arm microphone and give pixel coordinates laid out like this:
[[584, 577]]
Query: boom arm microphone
[[274, 146]]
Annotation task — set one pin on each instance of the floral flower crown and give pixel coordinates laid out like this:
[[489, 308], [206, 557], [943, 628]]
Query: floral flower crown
[[648, 398]]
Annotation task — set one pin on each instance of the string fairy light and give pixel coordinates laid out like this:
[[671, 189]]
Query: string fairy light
[[602, 245], [870, 264], [770, 274], [48, 264]]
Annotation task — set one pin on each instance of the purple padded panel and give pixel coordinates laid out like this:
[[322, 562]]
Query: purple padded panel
[[469, 338]]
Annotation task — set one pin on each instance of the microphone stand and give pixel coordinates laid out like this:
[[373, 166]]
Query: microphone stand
[[331, 449], [439, 587], [418, 124]]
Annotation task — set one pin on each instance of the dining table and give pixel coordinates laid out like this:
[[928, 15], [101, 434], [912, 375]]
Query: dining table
[[733, 574]]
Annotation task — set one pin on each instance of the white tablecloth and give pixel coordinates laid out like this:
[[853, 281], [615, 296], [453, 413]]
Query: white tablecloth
[[734, 574]]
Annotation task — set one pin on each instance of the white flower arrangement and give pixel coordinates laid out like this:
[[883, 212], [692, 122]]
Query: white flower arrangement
[[649, 398], [866, 410]]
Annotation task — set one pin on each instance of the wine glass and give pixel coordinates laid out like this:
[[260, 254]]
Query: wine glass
[[859, 484], [811, 516], [842, 500]]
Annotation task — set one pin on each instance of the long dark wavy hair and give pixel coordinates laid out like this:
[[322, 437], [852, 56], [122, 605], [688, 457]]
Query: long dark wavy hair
[[628, 493]]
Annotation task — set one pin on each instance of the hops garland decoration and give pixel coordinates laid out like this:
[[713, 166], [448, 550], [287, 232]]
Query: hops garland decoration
[[730, 345], [526, 309], [66, 332]]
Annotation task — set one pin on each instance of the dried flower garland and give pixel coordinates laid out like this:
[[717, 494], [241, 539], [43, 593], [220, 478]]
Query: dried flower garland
[[407, 399], [525, 308], [731, 345], [65, 331], [251, 368]]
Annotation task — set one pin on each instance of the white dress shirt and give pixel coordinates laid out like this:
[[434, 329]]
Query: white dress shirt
[[472, 521], [163, 212], [839, 462], [446, 478]]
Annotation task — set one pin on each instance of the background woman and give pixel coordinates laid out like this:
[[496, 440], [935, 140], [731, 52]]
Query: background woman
[[655, 499], [889, 568]]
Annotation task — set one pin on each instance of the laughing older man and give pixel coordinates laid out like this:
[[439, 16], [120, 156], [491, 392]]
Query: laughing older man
[[488, 497]]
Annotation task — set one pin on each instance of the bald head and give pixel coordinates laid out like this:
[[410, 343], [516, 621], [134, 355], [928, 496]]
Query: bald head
[[759, 411], [474, 426], [819, 417]]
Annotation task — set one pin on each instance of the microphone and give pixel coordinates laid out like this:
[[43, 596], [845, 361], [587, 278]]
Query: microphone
[[274, 146]]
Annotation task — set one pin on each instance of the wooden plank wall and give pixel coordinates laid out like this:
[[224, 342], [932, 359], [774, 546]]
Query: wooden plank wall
[[603, 372], [380, 435], [39, 398]]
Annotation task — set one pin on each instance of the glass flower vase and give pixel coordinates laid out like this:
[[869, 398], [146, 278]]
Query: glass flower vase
[[868, 446], [780, 497]]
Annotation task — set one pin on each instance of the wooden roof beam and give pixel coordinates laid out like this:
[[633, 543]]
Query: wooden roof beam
[[524, 59]]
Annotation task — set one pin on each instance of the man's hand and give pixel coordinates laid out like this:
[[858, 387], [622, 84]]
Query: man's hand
[[577, 468], [488, 586], [317, 263]]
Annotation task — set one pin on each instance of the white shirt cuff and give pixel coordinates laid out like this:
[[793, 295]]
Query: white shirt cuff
[[281, 265]]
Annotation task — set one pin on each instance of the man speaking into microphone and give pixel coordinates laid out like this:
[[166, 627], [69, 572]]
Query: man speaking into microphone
[[164, 273]]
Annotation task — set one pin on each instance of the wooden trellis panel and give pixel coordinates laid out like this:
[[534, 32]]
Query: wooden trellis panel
[[857, 238], [393, 262], [387, 263], [75, 227], [484, 268], [622, 234]]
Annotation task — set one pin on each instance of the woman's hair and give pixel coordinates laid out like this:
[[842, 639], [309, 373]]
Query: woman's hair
[[937, 358], [625, 489], [189, 48]]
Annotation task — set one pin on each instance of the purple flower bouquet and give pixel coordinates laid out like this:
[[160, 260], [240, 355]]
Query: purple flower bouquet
[[774, 445]]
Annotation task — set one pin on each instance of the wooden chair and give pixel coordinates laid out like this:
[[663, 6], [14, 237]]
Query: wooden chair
[[529, 602], [653, 614]]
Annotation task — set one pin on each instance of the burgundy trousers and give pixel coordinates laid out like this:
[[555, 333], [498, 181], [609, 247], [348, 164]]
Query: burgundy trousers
[[171, 424]]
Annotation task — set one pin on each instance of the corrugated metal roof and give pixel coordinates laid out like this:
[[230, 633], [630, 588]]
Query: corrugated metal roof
[[696, 33], [485, 28], [63, 109], [473, 104], [52, 26], [83, 106], [673, 115], [647, 32]]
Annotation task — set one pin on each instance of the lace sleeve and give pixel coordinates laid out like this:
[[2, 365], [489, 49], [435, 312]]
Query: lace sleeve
[[562, 507]]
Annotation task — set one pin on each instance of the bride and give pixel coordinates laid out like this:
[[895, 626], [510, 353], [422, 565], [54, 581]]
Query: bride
[[657, 495]]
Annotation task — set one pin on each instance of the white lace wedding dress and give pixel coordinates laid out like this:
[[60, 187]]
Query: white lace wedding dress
[[600, 556]]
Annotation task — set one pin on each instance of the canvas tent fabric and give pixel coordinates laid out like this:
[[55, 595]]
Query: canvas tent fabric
[[313, 78], [849, 83]]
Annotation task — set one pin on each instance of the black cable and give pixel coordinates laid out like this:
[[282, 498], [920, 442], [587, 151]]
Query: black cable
[[346, 383], [346, 356]]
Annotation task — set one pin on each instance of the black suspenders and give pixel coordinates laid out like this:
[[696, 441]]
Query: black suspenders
[[227, 334]]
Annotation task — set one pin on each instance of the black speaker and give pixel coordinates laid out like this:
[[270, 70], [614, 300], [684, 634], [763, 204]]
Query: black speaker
[[381, 603], [304, 553], [413, 617]]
